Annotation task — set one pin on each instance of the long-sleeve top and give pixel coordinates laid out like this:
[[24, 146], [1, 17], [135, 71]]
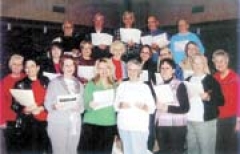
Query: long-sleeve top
[[209, 108], [38, 88], [229, 86], [59, 87], [178, 42], [120, 69], [176, 112], [8, 83], [102, 117], [133, 118]]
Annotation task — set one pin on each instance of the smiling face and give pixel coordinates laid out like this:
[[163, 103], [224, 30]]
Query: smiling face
[[166, 71], [128, 20], [31, 69], [152, 23], [68, 28], [192, 49], [145, 54], [103, 70], [16, 66], [86, 50], [221, 63], [133, 71], [98, 21], [68, 67], [56, 52], [183, 26]]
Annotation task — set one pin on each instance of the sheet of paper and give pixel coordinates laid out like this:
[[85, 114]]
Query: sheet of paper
[[147, 40], [179, 46], [194, 89], [24, 97], [101, 38], [164, 93], [130, 34], [161, 40], [86, 72], [144, 75], [104, 98], [66, 102], [187, 73], [51, 76], [159, 79]]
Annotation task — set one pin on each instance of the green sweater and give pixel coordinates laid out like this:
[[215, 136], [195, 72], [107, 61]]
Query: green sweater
[[102, 117]]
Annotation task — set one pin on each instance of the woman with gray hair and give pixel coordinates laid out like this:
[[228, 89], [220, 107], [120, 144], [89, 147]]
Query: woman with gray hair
[[227, 123], [134, 101]]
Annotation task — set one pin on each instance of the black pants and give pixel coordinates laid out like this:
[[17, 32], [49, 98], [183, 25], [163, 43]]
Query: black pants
[[97, 139], [32, 138], [171, 139], [226, 142]]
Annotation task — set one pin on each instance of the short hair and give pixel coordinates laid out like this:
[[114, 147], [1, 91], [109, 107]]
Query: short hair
[[117, 44], [220, 52], [182, 19], [135, 62], [65, 57], [83, 43], [169, 62], [100, 14], [128, 13], [67, 21], [15, 57], [36, 60]]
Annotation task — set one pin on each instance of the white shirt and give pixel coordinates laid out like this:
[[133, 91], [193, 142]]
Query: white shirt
[[133, 118]]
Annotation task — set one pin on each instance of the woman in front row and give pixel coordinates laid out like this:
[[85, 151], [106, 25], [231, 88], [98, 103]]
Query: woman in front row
[[202, 116], [134, 102], [99, 121], [171, 120], [64, 120]]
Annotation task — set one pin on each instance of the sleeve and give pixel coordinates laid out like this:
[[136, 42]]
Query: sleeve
[[16, 107], [88, 95], [150, 100], [216, 94], [81, 101], [182, 97], [51, 96]]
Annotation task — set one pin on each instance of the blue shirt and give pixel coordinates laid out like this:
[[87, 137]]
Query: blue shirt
[[178, 42]]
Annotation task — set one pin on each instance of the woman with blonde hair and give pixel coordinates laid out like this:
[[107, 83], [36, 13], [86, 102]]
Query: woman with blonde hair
[[99, 121], [117, 49], [205, 97]]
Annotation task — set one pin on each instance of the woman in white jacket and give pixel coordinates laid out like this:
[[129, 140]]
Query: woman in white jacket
[[64, 103], [134, 102]]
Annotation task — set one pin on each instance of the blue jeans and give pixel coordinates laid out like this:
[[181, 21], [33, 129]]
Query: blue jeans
[[134, 142], [201, 137]]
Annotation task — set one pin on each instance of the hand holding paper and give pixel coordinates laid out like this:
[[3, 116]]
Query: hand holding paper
[[101, 39], [104, 98], [164, 94], [24, 97], [130, 34]]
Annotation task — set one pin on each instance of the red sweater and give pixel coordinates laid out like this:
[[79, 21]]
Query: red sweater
[[118, 69], [6, 112], [39, 93], [229, 86]]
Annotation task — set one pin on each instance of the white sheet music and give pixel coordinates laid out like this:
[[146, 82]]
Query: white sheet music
[[130, 34], [104, 98], [101, 39], [164, 93], [66, 102], [194, 89], [24, 97], [179, 46], [161, 40], [86, 72], [144, 75], [51, 76]]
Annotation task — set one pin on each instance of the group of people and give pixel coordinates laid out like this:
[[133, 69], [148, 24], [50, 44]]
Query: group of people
[[197, 115]]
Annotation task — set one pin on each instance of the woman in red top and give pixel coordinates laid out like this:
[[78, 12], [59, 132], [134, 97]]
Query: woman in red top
[[32, 119], [228, 79], [16, 66]]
